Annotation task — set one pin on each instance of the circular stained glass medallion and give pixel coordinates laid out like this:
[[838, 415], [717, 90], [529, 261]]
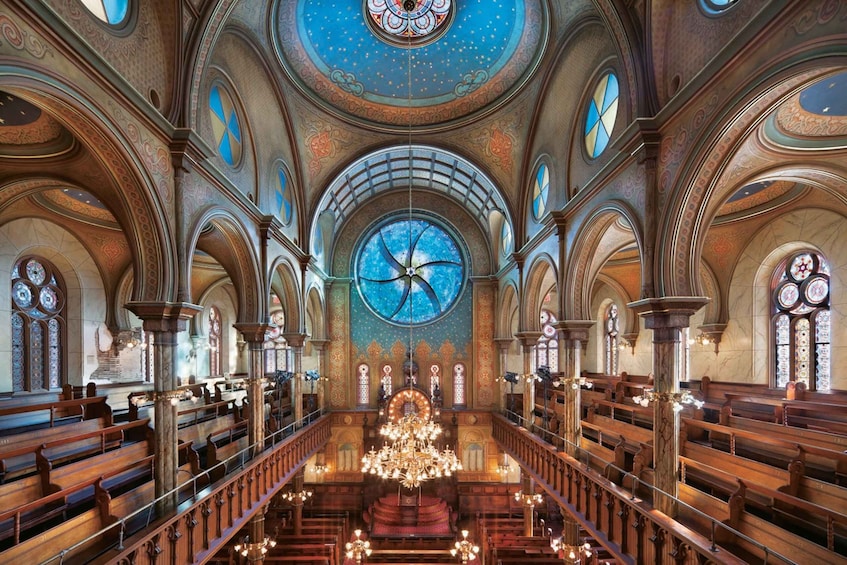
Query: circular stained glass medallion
[[404, 21], [35, 271], [788, 295], [113, 12], [49, 299], [801, 266], [602, 112], [817, 290], [22, 294], [540, 191], [410, 271]]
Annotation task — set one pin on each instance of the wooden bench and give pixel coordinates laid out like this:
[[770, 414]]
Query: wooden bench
[[227, 450], [20, 418]]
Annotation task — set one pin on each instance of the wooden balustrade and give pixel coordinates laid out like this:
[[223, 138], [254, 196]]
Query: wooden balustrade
[[198, 530], [629, 529]]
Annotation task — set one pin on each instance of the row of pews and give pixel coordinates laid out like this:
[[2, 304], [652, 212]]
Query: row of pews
[[69, 471], [770, 464]]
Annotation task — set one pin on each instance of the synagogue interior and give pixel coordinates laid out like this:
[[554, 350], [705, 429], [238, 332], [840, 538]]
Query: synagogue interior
[[508, 282]]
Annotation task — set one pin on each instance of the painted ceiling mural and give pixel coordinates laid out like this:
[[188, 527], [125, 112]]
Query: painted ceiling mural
[[492, 48]]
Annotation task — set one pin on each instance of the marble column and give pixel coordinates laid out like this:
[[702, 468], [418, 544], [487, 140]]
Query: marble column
[[320, 346], [528, 341], [254, 336], [298, 504], [572, 333], [503, 344], [296, 340], [666, 317], [165, 320], [256, 528]]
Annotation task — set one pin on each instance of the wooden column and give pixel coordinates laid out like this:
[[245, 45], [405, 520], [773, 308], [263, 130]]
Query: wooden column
[[666, 317], [165, 320]]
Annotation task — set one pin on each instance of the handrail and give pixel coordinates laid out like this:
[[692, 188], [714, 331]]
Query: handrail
[[286, 433], [618, 490]]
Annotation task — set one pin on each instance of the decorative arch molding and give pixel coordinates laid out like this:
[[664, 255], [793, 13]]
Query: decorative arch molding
[[283, 281], [699, 183], [229, 235], [315, 306], [716, 311], [639, 77], [143, 214], [542, 266], [577, 286], [508, 302], [630, 316]]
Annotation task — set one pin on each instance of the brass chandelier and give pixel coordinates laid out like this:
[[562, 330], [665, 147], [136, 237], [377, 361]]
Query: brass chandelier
[[409, 454]]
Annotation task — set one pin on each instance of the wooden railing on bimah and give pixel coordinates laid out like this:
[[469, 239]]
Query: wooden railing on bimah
[[198, 530], [628, 528], [50, 414]]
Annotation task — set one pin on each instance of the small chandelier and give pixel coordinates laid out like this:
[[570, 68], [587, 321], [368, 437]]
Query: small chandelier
[[297, 498], [411, 457], [358, 549], [504, 468], [574, 382], [528, 499], [465, 548], [679, 399], [246, 547], [571, 554]]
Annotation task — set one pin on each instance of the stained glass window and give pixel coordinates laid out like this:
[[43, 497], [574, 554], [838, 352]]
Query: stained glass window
[[410, 271], [284, 208], [225, 125], [459, 384], [404, 21], [278, 355], [215, 338], [112, 12], [506, 238], [801, 321], [715, 6], [38, 325], [540, 191], [363, 386], [612, 328], [547, 347], [602, 112]]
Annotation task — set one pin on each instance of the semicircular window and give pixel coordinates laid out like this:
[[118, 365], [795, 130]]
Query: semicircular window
[[716, 6], [602, 112], [113, 12], [225, 125], [540, 191], [410, 271]]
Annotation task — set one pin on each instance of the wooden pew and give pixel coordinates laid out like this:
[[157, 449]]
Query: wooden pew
[[227, 450], [20, 418]]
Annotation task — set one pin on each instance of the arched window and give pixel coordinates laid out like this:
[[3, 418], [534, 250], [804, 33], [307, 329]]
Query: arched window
[[278, 355], [459, 384], [38, 325], [363, 386], [214, 341], [801, 321], [611, 332], [547, 347]]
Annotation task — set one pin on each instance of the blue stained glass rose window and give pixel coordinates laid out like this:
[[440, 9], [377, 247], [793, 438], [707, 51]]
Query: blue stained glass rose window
[[283, 197], [410, 271], [540, 191], [225, 125], [110, 11]]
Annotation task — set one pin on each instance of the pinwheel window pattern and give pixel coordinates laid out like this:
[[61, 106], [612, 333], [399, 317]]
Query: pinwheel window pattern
[[110, 11], [602, 111], [540, 191], [410, 271], [225, 125]]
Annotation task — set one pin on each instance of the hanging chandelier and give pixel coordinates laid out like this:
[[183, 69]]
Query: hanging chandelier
[[409, 454]]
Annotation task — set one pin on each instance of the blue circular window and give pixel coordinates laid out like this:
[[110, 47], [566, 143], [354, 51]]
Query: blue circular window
[[540, 191], [284, 208], [225, 125], [716, 6], [410, 271], [113, 12], [602, 112]]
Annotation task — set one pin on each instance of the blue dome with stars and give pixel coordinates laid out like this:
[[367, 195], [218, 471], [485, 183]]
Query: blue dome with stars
[[488, 51]]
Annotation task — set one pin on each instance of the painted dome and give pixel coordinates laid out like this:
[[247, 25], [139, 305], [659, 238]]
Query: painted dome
[[485, 51]]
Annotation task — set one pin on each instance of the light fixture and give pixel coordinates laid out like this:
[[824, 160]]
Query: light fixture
[[172, 396], [464, 548], [571, 554], [504, 468], [573, 382], [679, 399], [530, 500], [297, 498], [411, 457], [358, 549], [246, 547]]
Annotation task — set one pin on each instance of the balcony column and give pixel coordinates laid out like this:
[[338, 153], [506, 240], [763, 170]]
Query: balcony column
[[528, 341], [254, 336], [503, 344], [666, 317], [572, 334], [321, 346], [296, 341], [257, 536], [165, 320]]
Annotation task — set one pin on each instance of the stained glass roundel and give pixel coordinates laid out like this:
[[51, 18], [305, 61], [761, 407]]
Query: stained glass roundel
[[395, 22], [284, 209], [225, 125], [602, 112], [410, 271], [540, 191], [112, 12]]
